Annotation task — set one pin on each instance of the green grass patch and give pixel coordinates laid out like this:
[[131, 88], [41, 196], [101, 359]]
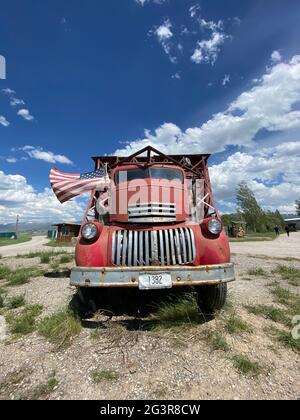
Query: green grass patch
[[257, 272], [179, 313], [25, 323], [282, 295], [270, 312], [236, 325], [22, 276], [217, 341], [16, 302], [291, 274], [4, 272], [245, 366], [64, 259], [286, 339], [45, 258], [60, 328], [23, 237], [104, 375]]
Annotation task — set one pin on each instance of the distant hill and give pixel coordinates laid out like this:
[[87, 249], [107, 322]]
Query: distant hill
[[26, 227]]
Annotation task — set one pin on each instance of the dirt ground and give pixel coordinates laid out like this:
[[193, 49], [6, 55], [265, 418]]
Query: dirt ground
[[161, 364]]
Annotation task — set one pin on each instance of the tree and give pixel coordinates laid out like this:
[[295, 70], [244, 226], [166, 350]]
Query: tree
[[250, 210], [298, 206]]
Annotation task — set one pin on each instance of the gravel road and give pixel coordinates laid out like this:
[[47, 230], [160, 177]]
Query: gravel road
[[283, 246], [165, 364]]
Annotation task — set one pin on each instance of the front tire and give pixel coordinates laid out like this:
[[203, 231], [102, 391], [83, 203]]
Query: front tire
[[211, 299]]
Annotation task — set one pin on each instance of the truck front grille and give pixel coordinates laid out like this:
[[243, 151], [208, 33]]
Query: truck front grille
[[154, 247], [152, 213]]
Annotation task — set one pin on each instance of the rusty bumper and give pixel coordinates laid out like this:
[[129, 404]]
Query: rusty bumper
[[129, 276]]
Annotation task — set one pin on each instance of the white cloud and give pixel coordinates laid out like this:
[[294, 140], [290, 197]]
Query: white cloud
[[276, 57], [207, 51], [176, 76], [3, 121], [11, 160], [268, 105], [226, 80], [40, 154], [16, 101], [261, 169], [19, 197], [143, 2], [8, 91], [164, 34], [194, 10], [24, 113]]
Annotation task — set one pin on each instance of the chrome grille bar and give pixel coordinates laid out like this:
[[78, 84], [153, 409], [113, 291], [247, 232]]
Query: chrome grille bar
[[155, 247]]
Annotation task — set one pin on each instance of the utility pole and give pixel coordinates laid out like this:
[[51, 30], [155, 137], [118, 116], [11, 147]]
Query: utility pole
[[17, 226]]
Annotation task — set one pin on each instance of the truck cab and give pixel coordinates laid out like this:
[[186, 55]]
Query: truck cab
[[154, 227]]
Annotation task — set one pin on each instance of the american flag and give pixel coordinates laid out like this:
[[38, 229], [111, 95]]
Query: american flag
[[67, 186]]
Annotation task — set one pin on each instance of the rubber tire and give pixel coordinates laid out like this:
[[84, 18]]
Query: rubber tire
[[211, 299], [82, 303]]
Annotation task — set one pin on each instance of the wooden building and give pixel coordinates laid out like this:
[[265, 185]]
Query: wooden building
[[66, 231]]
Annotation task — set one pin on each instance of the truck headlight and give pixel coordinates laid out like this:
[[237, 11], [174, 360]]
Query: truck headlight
[[214, 226], [89, 231]]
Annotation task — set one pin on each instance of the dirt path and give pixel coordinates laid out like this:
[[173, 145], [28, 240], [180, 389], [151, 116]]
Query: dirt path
[[36, 244], [280, 247], [134, 362]]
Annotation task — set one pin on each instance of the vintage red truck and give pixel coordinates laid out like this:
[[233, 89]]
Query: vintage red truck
[[154, 227]]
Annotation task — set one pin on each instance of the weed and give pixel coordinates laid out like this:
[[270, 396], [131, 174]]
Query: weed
[[217, 341], [291, 274], [245, 366], [65, 259], [236, 325], [104, 375], [60, 328], [16, 302], [269, 312], [25, 322], [257, 272]]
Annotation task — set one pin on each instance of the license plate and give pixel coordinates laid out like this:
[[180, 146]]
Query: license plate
[[149, 281]]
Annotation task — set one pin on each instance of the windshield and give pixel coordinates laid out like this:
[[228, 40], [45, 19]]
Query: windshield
[[169, 174]]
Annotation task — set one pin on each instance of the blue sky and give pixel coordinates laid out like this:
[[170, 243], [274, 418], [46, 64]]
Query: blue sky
[[84, 77]]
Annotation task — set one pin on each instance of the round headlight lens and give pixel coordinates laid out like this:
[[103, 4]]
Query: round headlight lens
[[89, 231], [214, 226]]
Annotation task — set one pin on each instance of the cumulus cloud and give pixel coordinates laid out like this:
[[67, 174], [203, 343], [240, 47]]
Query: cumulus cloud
[[3, 121], [24, 113], [47, 156], [11, 160], [276, 56], [19, 197], [268, 106], [260, 169]]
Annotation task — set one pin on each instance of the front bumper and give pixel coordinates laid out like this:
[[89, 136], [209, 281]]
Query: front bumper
[[129, 276]]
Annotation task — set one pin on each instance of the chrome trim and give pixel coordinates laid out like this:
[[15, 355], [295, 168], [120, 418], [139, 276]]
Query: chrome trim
[[152, 212], [153, 247], [129, 276]]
